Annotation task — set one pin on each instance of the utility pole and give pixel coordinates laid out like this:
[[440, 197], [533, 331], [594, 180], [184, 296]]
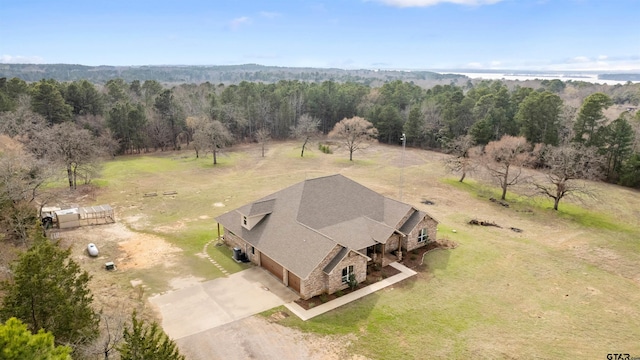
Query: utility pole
[[404, 142]]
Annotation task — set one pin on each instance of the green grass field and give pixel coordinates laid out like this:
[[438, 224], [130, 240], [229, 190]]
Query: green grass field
[[567, 286]]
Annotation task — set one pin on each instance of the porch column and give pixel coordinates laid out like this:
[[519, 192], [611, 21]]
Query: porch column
[[399, 252]]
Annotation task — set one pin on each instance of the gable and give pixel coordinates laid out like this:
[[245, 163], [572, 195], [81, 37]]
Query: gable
[[412, 221], [300, 225]]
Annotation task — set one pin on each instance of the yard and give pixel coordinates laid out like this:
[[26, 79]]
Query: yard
[[568, 285]]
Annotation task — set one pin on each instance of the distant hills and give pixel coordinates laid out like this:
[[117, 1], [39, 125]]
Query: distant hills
[[213, 74], [233, 74]]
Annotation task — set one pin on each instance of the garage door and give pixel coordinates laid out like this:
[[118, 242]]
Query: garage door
[[294, 282], [272, 266]]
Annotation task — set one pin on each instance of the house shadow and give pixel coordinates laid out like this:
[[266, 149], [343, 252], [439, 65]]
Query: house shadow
[[349, 315], [436, 259]]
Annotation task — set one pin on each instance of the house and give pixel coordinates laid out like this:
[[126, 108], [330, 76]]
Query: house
[[316, 234]]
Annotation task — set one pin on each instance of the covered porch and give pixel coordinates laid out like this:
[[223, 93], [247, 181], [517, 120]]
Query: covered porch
[[385, 253]]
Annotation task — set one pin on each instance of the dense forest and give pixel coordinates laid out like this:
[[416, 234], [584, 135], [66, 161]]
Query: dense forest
[[73, 123]]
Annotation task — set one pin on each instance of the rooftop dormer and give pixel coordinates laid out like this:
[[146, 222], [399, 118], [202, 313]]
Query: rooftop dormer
[[253, 213]]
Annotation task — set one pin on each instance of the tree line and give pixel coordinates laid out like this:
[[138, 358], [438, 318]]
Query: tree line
[[215, 73], [122, 117]]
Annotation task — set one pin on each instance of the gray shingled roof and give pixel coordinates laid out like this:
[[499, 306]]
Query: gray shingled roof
[[306, 221], [412, 221], [257, 208], [336, 260]]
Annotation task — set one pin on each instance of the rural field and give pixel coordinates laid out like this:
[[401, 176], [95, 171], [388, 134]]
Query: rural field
[[567, 286]]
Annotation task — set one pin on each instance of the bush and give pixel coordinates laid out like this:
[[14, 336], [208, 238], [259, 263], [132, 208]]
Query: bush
[[325, 148], [338, 293], [324, 298], [311, 304], [353, 283]]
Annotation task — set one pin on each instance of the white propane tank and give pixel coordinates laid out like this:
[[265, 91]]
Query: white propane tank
[[92, 249]]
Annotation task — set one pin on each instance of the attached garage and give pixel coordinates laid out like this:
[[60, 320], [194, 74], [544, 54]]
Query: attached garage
[[272, 266], [294, 282]]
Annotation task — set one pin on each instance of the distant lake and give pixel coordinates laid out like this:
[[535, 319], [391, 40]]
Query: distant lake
[[522, 75]]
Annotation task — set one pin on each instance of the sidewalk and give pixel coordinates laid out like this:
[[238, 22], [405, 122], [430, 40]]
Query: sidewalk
[[305, 315]]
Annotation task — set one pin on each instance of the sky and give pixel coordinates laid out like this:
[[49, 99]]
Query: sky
[[541, 35]]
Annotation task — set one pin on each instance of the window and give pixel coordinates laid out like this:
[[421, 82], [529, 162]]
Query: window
[[346, 274], [423, 236], [253, 250], [244, 220]]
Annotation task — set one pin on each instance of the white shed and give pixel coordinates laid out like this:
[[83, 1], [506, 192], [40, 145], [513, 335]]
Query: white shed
[[67, 218]]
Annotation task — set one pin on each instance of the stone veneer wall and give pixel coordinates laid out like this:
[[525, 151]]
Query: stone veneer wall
[[392, 243], [412, 238], [319, 283], [359, 263]]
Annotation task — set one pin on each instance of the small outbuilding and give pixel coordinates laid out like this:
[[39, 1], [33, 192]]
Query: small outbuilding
[[67, 218]]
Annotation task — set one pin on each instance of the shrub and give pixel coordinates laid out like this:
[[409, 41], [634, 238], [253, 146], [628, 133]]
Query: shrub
[[324, 298], [325, 148], [338, 293], [353, 283]]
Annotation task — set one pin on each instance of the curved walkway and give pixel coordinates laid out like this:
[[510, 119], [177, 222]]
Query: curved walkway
[[215, 263]]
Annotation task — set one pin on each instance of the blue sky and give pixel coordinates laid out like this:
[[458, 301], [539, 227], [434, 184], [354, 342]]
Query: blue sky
[[389, 34]]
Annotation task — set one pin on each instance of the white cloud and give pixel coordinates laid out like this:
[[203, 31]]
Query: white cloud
[[579, 59], [425, 3], [237, 22], [474, 65], [19, 59], [603, 57], [270, 14]]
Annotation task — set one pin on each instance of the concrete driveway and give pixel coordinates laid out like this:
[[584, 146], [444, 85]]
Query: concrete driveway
[[221, 301]]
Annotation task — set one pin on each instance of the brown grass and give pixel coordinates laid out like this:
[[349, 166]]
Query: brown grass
[[561, 288]]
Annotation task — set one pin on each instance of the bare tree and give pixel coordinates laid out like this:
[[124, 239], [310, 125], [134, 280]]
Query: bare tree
[[504, 160], [195, 123], [22, 178], [112, 325], [307, 129], [211, 136], [67, 145], [464, 156], [355, 133], [159, 133], [296, 104], [263, 135], [22, 124], [564, 167]]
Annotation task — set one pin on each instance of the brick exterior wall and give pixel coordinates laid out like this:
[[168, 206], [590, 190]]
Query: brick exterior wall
[[359, 268], [392, 243], [319, 283], [411, 242], [233, 240]]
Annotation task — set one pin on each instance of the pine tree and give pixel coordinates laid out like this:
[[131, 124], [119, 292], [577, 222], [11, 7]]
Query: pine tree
[[142, 341], [49, 291], [17, 343]]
